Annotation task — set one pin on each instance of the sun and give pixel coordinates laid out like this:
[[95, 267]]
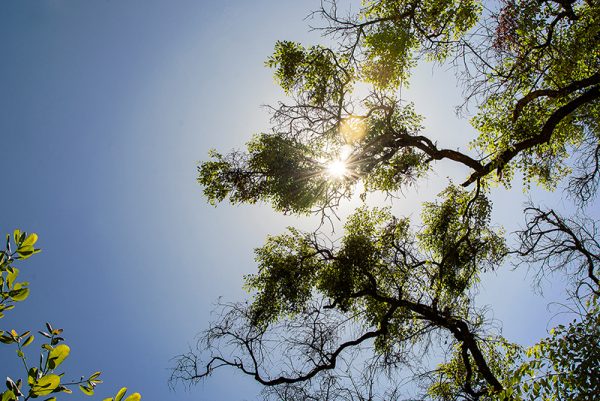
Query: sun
[[337, 169]]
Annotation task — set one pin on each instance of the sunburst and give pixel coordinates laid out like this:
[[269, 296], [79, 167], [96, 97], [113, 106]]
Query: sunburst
[[337, 169]]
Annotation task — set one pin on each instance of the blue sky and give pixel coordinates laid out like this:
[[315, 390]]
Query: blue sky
[[107, 106]]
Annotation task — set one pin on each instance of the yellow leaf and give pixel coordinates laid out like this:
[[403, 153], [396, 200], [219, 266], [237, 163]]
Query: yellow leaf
[[58, 355], [45, 385], [134, 397], [30, 240]]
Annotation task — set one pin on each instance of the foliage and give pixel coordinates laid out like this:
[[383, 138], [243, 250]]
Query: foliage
[[121, 393], [546, 95], [564, 365], [389, 287], [43, 378]]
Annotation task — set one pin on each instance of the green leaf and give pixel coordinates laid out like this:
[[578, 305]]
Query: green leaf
[[134, 397], [11, 385], [58, 355], [6, 339], [64, 389], [25, 245], [94, 379], [28, 341], [50, 399], [19, 295], [120, 394], [8, 396], [30, 240], [32, 376], [45, 385], [86, 390], [16, 235], [25, 252], [11, 277]]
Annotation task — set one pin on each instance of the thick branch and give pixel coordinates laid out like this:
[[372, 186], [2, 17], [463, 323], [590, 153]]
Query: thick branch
[[543, 137], [574, 86], [333, 358], [401, 139], [459, 328]]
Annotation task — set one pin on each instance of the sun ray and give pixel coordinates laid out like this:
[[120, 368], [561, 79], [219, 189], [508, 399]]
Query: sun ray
[[337, 169]]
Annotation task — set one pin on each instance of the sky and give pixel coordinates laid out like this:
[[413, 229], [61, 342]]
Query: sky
[[106, 109]]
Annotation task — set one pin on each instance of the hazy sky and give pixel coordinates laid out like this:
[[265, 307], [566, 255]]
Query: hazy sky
[[107, 106]]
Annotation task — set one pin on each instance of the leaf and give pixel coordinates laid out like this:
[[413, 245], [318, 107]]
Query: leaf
[[8, 396], [6, 339], [120, 394], [19, 295], [26, 248], [12, 275], [50, 399], [16, 235], [58, 355], [45, 385], [10, 384], [64, 389], [19, 385], [56, 340], [86, 390], [30, 240], [32, 376], [25, 252], [28, 341], [134, 397]]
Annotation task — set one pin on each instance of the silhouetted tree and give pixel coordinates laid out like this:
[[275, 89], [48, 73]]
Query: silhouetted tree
[[340, 320]]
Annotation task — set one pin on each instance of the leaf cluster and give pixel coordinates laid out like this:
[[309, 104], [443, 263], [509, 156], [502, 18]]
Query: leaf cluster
[[43, 378]]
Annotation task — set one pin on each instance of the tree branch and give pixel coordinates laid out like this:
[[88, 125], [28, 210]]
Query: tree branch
[[543, 137]]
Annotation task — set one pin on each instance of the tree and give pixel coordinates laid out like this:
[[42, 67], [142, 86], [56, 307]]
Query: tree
[[343, 320], [43, 379]]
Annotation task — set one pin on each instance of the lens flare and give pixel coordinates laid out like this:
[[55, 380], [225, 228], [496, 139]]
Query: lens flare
[[337, 169], [353, 129]]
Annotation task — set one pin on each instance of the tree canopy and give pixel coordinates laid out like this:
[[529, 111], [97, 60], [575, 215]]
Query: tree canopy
[[345, 320]]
